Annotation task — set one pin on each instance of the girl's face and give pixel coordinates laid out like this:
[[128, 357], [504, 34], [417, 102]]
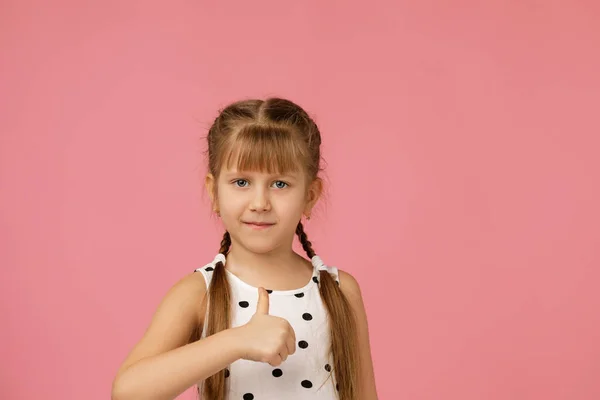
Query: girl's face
[[261, 210]]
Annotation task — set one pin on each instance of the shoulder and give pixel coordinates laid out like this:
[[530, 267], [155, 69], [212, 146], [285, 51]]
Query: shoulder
[[187, 295], [191, 285], [349, 285], [351, 289], [184, 301]]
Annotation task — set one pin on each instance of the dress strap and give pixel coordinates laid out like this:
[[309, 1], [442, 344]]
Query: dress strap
[[319, 265], [207, 270]]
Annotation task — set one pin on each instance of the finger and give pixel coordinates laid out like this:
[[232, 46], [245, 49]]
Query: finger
[[293, 335], [290, 345], [283, 353], [263, 302], [275, 361]]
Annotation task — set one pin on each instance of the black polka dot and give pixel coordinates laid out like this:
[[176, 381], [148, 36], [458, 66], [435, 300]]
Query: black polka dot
[[248, 396], [269, 291], [227, 373], [306, 384], [209, 268], [302, 344], [337, 387], [327, 367], [299, 295], [277, 373], [306, 316], [315, 280], [244, 304]]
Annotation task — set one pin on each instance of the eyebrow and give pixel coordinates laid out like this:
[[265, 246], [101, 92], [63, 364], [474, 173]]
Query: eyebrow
[[293, 176]]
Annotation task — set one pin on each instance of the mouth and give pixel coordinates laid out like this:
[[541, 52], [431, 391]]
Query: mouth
[[258, 225]]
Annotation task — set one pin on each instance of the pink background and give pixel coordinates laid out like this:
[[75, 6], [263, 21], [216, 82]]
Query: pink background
[[462, 148]]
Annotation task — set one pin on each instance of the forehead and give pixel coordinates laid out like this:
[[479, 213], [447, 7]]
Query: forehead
[[261, 160]]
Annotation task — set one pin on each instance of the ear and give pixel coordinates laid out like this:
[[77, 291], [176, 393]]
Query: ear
[[313, 194], [210, 184]]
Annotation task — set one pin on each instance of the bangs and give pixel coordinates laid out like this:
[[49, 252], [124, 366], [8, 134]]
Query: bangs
[[268, 149]]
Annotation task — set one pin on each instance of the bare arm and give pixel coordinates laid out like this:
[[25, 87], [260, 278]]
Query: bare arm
[[162, 365], [367, 389]]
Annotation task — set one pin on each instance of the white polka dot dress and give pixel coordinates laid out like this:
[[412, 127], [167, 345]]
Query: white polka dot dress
[[306, 374]]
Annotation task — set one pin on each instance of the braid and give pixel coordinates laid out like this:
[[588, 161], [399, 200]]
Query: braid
[[306, 244], [342, 328], [219, 318], [225, 243]]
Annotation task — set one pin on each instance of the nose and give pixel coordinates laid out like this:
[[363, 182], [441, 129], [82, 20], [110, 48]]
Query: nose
[[260, 200]]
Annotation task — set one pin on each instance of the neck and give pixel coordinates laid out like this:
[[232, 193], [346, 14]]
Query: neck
[[281, 257]]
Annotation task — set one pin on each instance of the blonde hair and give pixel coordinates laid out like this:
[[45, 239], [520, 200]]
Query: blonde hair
[[275, 135]]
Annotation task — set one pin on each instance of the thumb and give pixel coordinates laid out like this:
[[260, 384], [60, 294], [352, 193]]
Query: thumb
[[263, 302]]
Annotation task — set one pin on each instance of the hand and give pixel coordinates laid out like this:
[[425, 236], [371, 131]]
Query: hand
[[267, 338]]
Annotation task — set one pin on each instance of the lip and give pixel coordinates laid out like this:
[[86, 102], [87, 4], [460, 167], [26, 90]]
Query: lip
[[258, 225]]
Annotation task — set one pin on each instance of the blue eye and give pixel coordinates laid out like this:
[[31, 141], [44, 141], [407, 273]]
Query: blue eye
[[244, 183]]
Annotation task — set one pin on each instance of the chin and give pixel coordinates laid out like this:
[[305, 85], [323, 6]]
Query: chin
[[259, 248]]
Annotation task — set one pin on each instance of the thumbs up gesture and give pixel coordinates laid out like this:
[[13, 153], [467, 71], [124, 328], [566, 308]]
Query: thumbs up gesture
[[267, 338]]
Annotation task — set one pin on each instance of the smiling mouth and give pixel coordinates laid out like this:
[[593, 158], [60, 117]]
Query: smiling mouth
[[258, 225]]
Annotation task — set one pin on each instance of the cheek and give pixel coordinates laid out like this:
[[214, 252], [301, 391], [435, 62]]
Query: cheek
[[227, 197], [232, 204], [291, 207]]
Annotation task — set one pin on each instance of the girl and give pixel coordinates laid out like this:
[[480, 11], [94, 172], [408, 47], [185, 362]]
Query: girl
[[259, 321]]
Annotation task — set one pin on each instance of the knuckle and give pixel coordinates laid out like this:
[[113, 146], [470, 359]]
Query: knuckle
[[273, 352]]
